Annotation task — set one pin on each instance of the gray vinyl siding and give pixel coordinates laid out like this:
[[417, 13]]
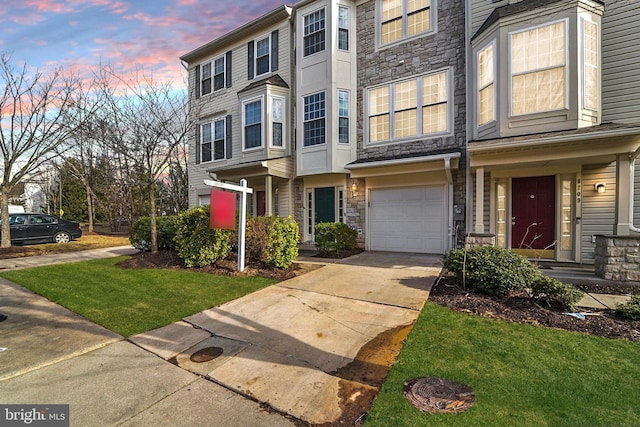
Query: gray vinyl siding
[[598, 209], [480, 11], [620, 53]]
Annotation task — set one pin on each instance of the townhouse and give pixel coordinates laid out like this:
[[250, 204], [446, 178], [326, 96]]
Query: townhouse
[[554, 116], [417, 122]]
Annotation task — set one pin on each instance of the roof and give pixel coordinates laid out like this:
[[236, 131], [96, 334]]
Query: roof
[[276, 15], [514, 9], [599, 131], [452, 152], [274, 80]]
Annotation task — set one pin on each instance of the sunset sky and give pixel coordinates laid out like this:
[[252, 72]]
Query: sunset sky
[[128, 35]]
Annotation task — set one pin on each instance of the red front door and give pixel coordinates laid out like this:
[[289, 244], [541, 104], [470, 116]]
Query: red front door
[[533, 212], [261, 206]]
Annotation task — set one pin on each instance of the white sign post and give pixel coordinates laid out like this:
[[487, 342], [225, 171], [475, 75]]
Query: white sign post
[[242, 226]]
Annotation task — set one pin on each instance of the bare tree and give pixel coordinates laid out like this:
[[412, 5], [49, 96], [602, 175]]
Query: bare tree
[[148, 122], [37, 114]]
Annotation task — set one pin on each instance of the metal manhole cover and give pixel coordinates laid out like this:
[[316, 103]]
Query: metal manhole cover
[[206, 354], [430, 394]]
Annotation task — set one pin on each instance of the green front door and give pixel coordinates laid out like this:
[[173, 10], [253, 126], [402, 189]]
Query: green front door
[[325, 198]]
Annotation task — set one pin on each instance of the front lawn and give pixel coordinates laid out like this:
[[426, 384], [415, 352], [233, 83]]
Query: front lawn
[[131, 301], [522, 375]]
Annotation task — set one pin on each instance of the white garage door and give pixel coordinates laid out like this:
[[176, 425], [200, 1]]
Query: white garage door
[[408, 219]]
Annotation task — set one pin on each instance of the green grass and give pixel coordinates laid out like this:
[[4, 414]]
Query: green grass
[[130, 301], [522, 375]]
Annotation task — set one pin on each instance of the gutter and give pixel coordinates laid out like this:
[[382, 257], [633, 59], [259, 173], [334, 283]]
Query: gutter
[[632, 168], [475, 148]]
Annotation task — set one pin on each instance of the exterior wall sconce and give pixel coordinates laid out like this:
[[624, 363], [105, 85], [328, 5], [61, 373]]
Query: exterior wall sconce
[[354, 189], [600, 187]]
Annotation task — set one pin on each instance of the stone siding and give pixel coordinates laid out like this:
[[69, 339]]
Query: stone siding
[[618, 258]]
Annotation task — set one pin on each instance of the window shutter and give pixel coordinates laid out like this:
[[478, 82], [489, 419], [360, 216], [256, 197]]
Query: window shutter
[[227, 76], [197, 81], [250, 60], [228, 135], [197, 144], [274, 51]]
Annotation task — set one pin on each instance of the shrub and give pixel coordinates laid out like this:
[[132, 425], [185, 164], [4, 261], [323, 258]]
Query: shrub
[[272, 240], [196, 243], [496, 271], [140, 236], [332, 237], [630, 309], [555, 293]]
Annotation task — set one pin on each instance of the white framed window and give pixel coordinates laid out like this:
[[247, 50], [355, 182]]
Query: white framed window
[[263, 55], [252, 118], [404, 19], [314, 32], [411, 108], [538, 70], [205, 79], [343, 117], [486, 88], [212, 140], [314, 119], [277, 122], [343, 28], [590, 60], [212, 76]]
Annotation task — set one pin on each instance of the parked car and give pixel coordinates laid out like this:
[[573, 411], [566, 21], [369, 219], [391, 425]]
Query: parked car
[[42, 228]]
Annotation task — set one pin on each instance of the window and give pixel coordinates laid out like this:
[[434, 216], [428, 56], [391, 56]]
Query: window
[[379, 123], [218, 76], [277, 120], [409, 108], [262, 56], [401, 19], [205, 144], [205, 79], [485, 85], [590, 63], [314, 32], [538, 69], [343, 28], [343, 117], [314, 119], [253, 124], [212, 141]]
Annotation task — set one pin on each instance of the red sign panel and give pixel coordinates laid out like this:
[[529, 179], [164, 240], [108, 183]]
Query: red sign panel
[[223, 210]]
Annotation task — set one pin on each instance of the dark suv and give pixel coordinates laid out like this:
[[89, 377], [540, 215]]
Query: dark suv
[[42, 228]]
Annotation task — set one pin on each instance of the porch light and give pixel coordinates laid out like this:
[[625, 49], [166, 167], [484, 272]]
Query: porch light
[[354, 189], [600, 187]]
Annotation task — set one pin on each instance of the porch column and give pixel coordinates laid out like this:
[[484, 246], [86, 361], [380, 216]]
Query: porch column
[[268, 196], [623, 190], [479, 221]]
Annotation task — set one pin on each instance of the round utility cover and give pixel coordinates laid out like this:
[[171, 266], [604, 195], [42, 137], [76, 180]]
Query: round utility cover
[[430, 394]]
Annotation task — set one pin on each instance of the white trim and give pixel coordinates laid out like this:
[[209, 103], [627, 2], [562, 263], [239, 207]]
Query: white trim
[[283, 122], [262, 133], [305, 121], [433, 25], [405, 161], [448, 71], [347, 28], [510, 74], [255, 55]]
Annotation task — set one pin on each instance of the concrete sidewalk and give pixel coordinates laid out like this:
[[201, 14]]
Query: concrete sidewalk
[[37, 261], [281, 348]]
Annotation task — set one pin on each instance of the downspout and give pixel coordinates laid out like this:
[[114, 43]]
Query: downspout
[[452, 234], [469, 181], [632, 168]]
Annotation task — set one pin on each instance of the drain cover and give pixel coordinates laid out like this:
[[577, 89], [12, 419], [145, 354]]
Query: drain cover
[[432, 394], [206, 354]]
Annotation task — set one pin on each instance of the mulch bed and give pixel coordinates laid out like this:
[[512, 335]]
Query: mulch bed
[[520, 308]]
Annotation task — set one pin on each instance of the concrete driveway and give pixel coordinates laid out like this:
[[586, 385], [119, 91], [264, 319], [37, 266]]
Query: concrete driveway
[[304, 348]]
